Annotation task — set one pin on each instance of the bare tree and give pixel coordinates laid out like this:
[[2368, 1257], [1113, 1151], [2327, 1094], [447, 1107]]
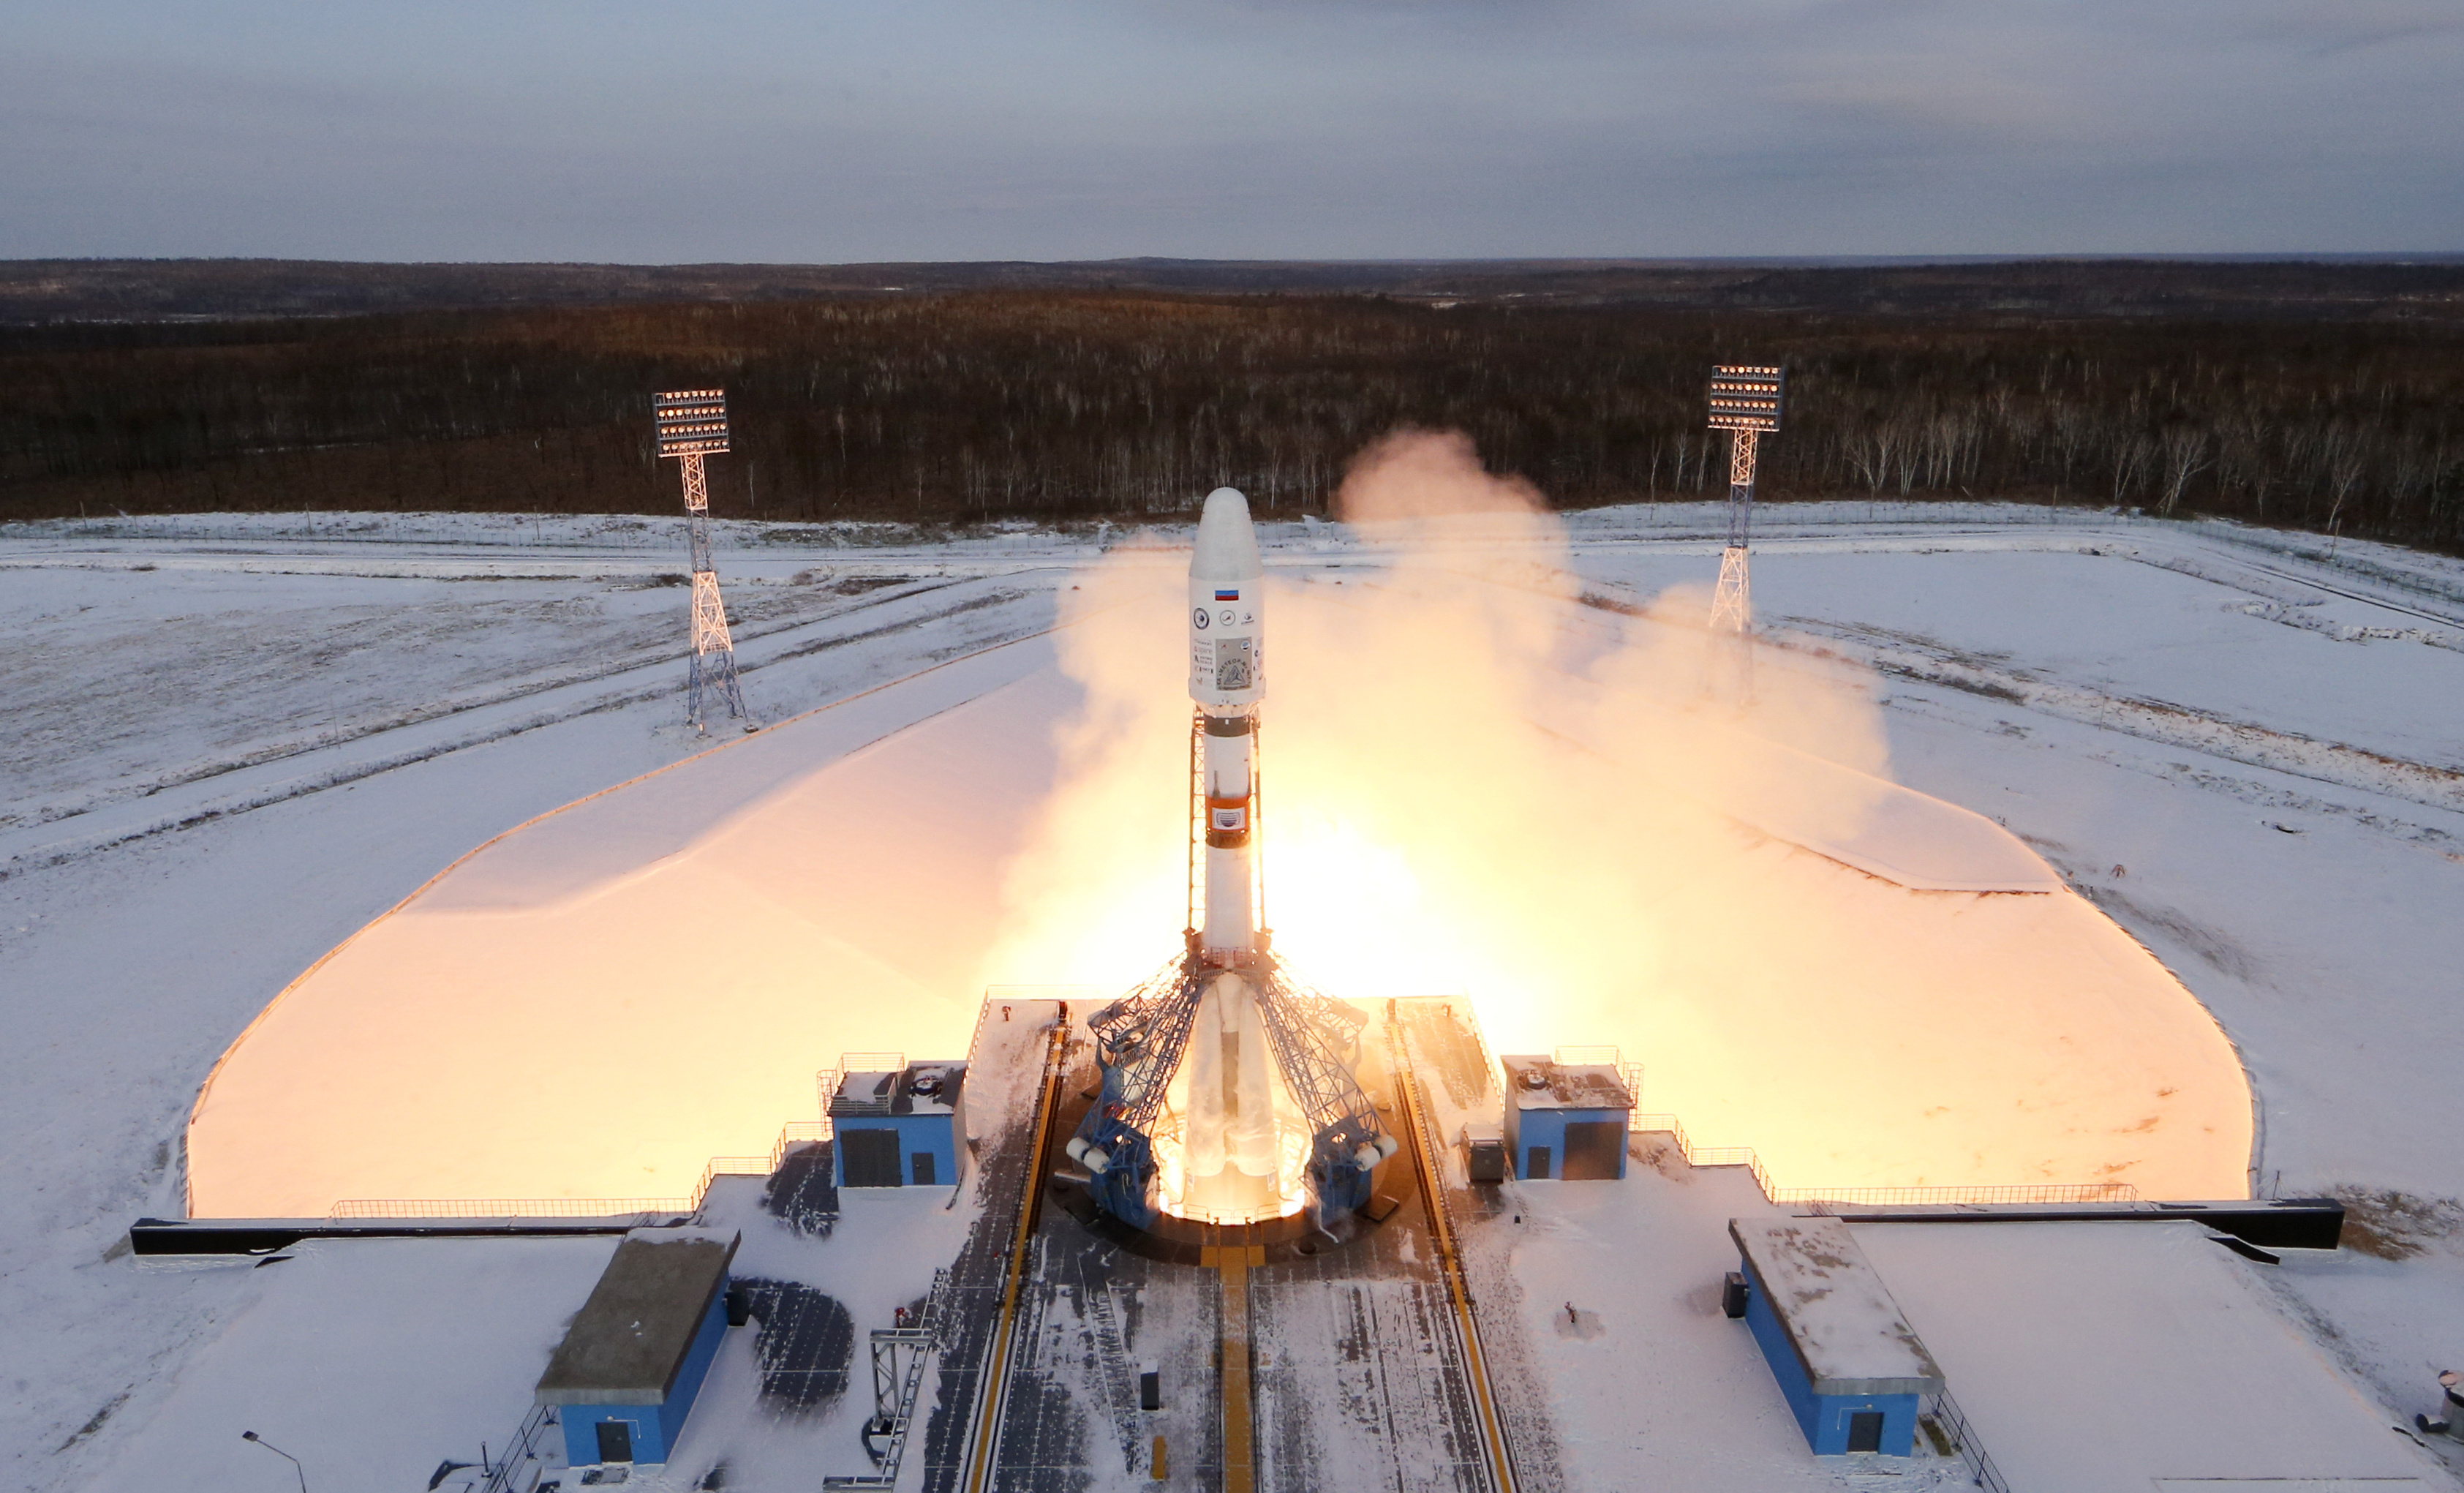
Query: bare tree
[[2132, 452], [2186, 454]]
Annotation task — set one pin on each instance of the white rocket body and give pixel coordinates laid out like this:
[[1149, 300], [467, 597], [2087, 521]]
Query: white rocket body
[[1228, 679]]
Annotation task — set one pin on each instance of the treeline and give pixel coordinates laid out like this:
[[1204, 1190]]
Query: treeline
[[1072, 404]]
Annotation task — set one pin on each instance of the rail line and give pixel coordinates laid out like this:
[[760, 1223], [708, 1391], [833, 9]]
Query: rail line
[[996, 1392], [1413, 1103]]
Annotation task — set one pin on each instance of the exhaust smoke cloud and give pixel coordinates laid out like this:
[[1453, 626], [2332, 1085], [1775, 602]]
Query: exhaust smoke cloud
[[1479, 786]]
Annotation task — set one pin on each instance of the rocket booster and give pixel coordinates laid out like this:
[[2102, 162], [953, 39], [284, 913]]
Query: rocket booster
[[1228, 679]]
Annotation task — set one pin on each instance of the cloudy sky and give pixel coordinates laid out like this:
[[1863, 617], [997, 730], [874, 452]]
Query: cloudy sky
[[843, 130]]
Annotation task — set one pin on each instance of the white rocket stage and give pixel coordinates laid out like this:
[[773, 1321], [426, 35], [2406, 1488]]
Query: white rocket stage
[[599, 1002]]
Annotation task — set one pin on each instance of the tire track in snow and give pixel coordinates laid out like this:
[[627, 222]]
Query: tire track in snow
[[296, 774], [482, 697]]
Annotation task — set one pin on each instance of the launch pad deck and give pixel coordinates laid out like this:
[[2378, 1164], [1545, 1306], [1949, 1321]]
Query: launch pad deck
[[1344, 1357]]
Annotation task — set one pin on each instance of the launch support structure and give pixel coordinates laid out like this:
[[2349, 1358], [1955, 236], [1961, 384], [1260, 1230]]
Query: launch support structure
[[693, 423], [1227, 1010]]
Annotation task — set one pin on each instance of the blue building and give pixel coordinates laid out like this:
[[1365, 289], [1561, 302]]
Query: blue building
[[1848, 1364], [901, 1128], [1566, 1119], [624, 1377]]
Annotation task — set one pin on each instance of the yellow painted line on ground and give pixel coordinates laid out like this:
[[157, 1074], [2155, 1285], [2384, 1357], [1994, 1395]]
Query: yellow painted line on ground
[[1240, 1457]]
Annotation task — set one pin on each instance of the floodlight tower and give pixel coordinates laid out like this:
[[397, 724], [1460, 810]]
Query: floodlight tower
[[1745, 403], [693, 423]]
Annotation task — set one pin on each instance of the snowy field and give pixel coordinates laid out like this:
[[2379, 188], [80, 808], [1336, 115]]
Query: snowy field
[[231, 742]]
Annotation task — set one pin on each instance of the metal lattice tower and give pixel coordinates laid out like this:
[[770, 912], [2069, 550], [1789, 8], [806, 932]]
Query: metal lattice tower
[[693, 423], [1140, 1042], [1745, 403]]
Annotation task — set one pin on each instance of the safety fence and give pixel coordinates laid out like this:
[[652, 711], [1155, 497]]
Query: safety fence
[[524, 1455], [1601, 1056], [1953, 1437], [794, 1134], [458, 1209], [829, 1079], [1822, 1199]]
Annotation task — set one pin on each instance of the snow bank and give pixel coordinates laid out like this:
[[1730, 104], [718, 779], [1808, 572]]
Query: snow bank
[[2108, 1355], [369, 1361], [596, 1006]]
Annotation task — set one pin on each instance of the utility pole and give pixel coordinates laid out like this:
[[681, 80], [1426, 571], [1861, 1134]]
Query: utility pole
[[693, 423]]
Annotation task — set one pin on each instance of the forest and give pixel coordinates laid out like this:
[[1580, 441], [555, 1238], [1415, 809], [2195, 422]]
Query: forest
[[1058, 403]]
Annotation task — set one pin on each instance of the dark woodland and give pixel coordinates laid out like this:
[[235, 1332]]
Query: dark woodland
[[2315, 396]]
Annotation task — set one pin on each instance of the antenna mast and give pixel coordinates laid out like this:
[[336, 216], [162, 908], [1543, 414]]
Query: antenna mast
[[693, 423]]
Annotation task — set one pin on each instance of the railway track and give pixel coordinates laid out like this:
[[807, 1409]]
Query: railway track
[[1412, 1100], [986, 1436]]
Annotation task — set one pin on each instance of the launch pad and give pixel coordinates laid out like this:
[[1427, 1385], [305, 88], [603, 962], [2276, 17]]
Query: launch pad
[[1282, 1353], [1347, 1185], [1189, 1126], [1228, 1115]]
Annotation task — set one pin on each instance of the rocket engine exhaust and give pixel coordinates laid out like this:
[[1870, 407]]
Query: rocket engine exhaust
[[1191, 1059]]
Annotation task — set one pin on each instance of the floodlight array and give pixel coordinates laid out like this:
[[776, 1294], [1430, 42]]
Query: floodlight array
[[1747, 398], [691, 422]]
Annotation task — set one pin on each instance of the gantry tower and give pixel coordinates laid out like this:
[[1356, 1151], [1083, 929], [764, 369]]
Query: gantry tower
[[693, 423]]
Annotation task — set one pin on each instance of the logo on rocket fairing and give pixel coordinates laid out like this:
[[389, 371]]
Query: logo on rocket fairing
[[1232, 663], [1199, 617]]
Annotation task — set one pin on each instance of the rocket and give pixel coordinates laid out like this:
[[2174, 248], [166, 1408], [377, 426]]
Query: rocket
[[1230, 1160], [1228, 679], [1213, 1032]]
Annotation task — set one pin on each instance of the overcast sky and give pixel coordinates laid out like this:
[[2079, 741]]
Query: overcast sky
[[844, 130]]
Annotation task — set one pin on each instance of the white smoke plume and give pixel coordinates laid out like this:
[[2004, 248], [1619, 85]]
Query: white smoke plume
[[1470, 782]]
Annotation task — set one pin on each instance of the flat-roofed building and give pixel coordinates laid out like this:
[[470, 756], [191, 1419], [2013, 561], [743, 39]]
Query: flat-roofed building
[[902, 1126], [1852, 1370], [626, 1376], [1566, 1119]]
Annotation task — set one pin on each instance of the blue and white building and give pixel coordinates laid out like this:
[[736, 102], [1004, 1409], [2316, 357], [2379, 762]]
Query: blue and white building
[[901, 1128], [1566, 1120], [1850, 1366], [632, 1362]]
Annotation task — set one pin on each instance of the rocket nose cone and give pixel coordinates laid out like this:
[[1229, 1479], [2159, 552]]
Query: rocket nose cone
[[1227, 544]]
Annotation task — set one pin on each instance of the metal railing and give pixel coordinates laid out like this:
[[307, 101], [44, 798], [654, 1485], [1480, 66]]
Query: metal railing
[[825, 1086], [524, 1452], [494, 1208], [893, 1063], [1943, 1418], [795, 1134], [1822, 1199]]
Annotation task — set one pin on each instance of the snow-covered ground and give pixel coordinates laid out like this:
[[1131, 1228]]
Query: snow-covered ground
[[230, 742]]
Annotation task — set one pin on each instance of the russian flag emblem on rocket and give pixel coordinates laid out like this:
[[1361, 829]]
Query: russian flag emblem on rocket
[[1224, 595]]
